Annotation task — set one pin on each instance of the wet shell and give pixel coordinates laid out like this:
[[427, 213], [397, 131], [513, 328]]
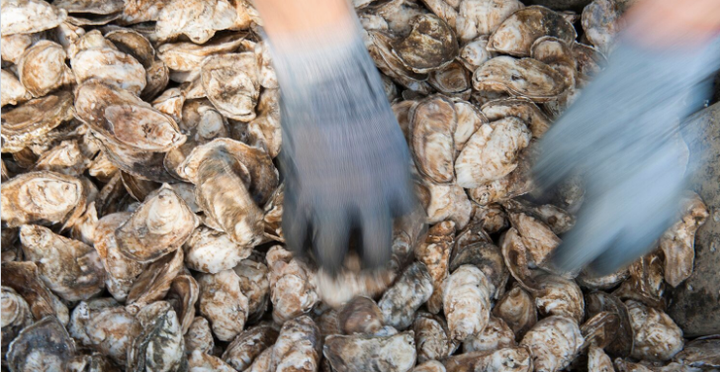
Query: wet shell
[[183, 295], [399, 303], [30, 16], [491, 153], [43, 346], [161, 224], [13, 91], [255, 285], [70, 268], [121, 270], [384, 354], [223, 303], [154, 282], [33, 120], [553, 342], [199, 336], [231, 82], [466, 302], [517, 309], [160, 346], [248, 345], [559, 296], [677, 243], [430, 45], [42, 68], [41, 197], [105, 326], [496, 335], [210, 251], [432, 338], [433, 125], [522, 108], [434, 252], [514, 359], [517, 33], [361, 315], [198, 20], [298, 346], [524, 77], [291, 291], [16, 315], [657, 337], [23, 277]]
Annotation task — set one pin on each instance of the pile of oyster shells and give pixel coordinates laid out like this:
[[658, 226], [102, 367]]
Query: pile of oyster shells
[[141, 204]]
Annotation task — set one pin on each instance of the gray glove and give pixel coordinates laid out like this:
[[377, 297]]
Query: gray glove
[[344, 157], [621, 135]]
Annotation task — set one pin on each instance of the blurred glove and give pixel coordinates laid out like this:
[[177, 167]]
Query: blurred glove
[[344, 157], [622, 136]]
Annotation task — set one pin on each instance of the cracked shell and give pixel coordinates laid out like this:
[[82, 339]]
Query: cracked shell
[[360, 316], [384, 354], [466, 302], [512, 359], [231, 83], [106, 326], [678, 241], [432, 338], [399, 303], [553, 342], [223, 303], [70, 268], [518, 32], [434, 252], [248, 345], [657, 337], [43, 346], [211, 251], [492, 152], [42, 197], [433, 124], [431, 45], [525, 77], [30, 122], [298, 346], [161, 224], [42, 68], [160, 346], [23, 277], [29, 16]]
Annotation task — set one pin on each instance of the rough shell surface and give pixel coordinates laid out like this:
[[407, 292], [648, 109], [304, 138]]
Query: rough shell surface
[[553, 342], [356, 354], [412, 289], [466, 302], [657, 337], [517, 33]]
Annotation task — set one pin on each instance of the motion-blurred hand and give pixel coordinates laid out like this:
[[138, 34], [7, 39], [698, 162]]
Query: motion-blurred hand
[[344, 157], [622, 136]]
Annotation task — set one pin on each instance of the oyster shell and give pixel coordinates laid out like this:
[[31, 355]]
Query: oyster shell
[[160, 346], [525, 77], [412, 289], [210, 251], [248, 345], [255, 285], [30, 16], [469, 119], [65, 158], [291, 291], [231, 82], [474, 247], [703, 352], [431, 45], [645, 283], [553, 342], [42, 68], [474, 53], [452, 80], [514, 359], [223, 303], [103, 325], [23, 277], [522, 108], [360, 316], [16, 316], [657, 337], [297, 347], [154, 282], [600, 329], [69, 268], [121, 270], [622, 341], [445, 202], [94, 362], [496, 335], [183, 295], [198, 20], [13, 91], [433, 124], [602, 21], [265, 129], [517, 309], [434, 252], [432, 338], [43, 346], [518, 32], [472, 18], [466, 302], [381, 50], [355, 354], [559, 296], [161, 224], [677, 243], [199, 336], [429, 366], [13, 46], [199, 361], [598, 361], [30, 122]]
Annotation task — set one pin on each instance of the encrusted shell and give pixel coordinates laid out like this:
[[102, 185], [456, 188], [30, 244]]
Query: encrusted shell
[[522, 108], [357, 354], [248, 345], [199, 336], [121, 270], [559, 296], [16, 316], [13, 91], [198, 20], [33, 120], [412, 289], [183, 295], [43, 346], [553, 342], [154, 282], [466, 302], [518, 32], [434, 252], [160, 346], [41, 197], [211, 251], [223, 303], [657, 337]]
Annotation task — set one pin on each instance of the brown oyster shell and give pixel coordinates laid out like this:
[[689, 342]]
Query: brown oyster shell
[[297, 347], [522, 108], [677, 243], [645, 283], [469, 119], [223, 303], [65, 158], [517, 33], [154, 282], [474, 247], [553, 342], [622, 342], [265, 129], [355, 354], [466, 301], [430, 45], [360, 316], [211, 251], [602, 21], [183, 295], [160, 345], [13, 46], [42, 197], [496, 335], [703, 352], [198, 20], [231, 82], [381, 50], [445, 202], [598, 361], [291, 291], [525, 77], [474, 53], [199, 336], [33, 120], [30, 16], [23, 277], [559, 296], [69, 268], [255, 285], [600, 329], [452, 80], [121, 270], [161, 224], [16, 316], [43, 346], [42, 68], [273, 215], [109, 65], [512, 359], [103, 325], [657, 337], [412, 289], [432, 338], [517, 309], [433, 123], [13, 91], [199, 361], [248, 345], [434, 252]]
